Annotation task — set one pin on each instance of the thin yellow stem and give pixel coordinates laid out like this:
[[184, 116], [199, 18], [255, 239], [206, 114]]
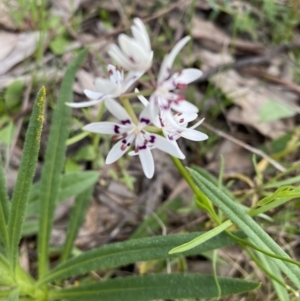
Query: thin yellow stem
[[127, 105]]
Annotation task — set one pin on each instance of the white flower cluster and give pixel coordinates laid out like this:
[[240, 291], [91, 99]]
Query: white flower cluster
[[166, 109]]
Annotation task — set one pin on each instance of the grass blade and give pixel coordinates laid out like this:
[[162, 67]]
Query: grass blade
[[202, 238], [55, 158], [239, 217], [141, 249], [155, 287], [76, 219], [25, 176], [4, 208]]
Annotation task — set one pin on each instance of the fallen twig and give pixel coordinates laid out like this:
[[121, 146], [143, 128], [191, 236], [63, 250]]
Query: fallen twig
[[245, 146], [249, 61]]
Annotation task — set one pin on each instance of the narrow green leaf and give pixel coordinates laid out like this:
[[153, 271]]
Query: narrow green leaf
[[76, 219], [14, 295], [70, 185], [5, 294], [155, 287], [239, 217], [25, 175], [202, 238], [281, 291], [55, 158], [150, 224], [141, 249], [4, 208]]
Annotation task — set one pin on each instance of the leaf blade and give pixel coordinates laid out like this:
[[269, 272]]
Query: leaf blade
[[76, 219], [25, 175], [247, 224], [140, 249], [4, 208], [55, 156], [157, 286]]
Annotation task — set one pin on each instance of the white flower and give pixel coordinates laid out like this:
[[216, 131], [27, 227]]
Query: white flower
[[174, 126], [128, 133], [133, 54], [167, 94], [115, 86]]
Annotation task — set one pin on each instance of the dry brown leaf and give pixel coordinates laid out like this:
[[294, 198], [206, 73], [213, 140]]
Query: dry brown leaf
[[21, 46], [215, 39], [65, 8], [249, 94], [6, 19]]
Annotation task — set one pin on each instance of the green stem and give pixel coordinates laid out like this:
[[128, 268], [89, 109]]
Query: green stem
[[129, 109], [202, 201], [132, 95]]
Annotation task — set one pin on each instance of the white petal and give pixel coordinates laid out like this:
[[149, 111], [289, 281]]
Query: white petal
[[147, 162], [166, 146], [105, 86], [187, 76], [117, 110], [117, 151], [197, 124], [142, 98], [169, 59], [107, 128], [154, 107], [116, 54], [83, 104], [93, 95], [193, 135], [130, 79], [141, 39], [132, 49], [184, 118], [115, 75], [184, 106], [140, 27], [145, 117]]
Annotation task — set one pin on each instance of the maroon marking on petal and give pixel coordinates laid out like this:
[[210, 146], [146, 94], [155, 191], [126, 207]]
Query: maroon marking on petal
[[115, 137], [161, 122], [179, 114], [126, 121], [165, 107], [145, 120], [152, 139], [170, 137], [181, 86], [131, 59], [117, 129], [136, 149], [110, 72], [123, 147], [181, 120]]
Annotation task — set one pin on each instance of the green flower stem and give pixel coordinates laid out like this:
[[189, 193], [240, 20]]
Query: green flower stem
[[144, 93], [127, 105], [153, 129], [202, 201]]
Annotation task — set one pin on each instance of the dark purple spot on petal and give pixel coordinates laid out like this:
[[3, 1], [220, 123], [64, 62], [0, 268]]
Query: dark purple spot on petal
[[116, 129], [131, 59], [152, 139], [124, 141], [126, 121], [145, 120]]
